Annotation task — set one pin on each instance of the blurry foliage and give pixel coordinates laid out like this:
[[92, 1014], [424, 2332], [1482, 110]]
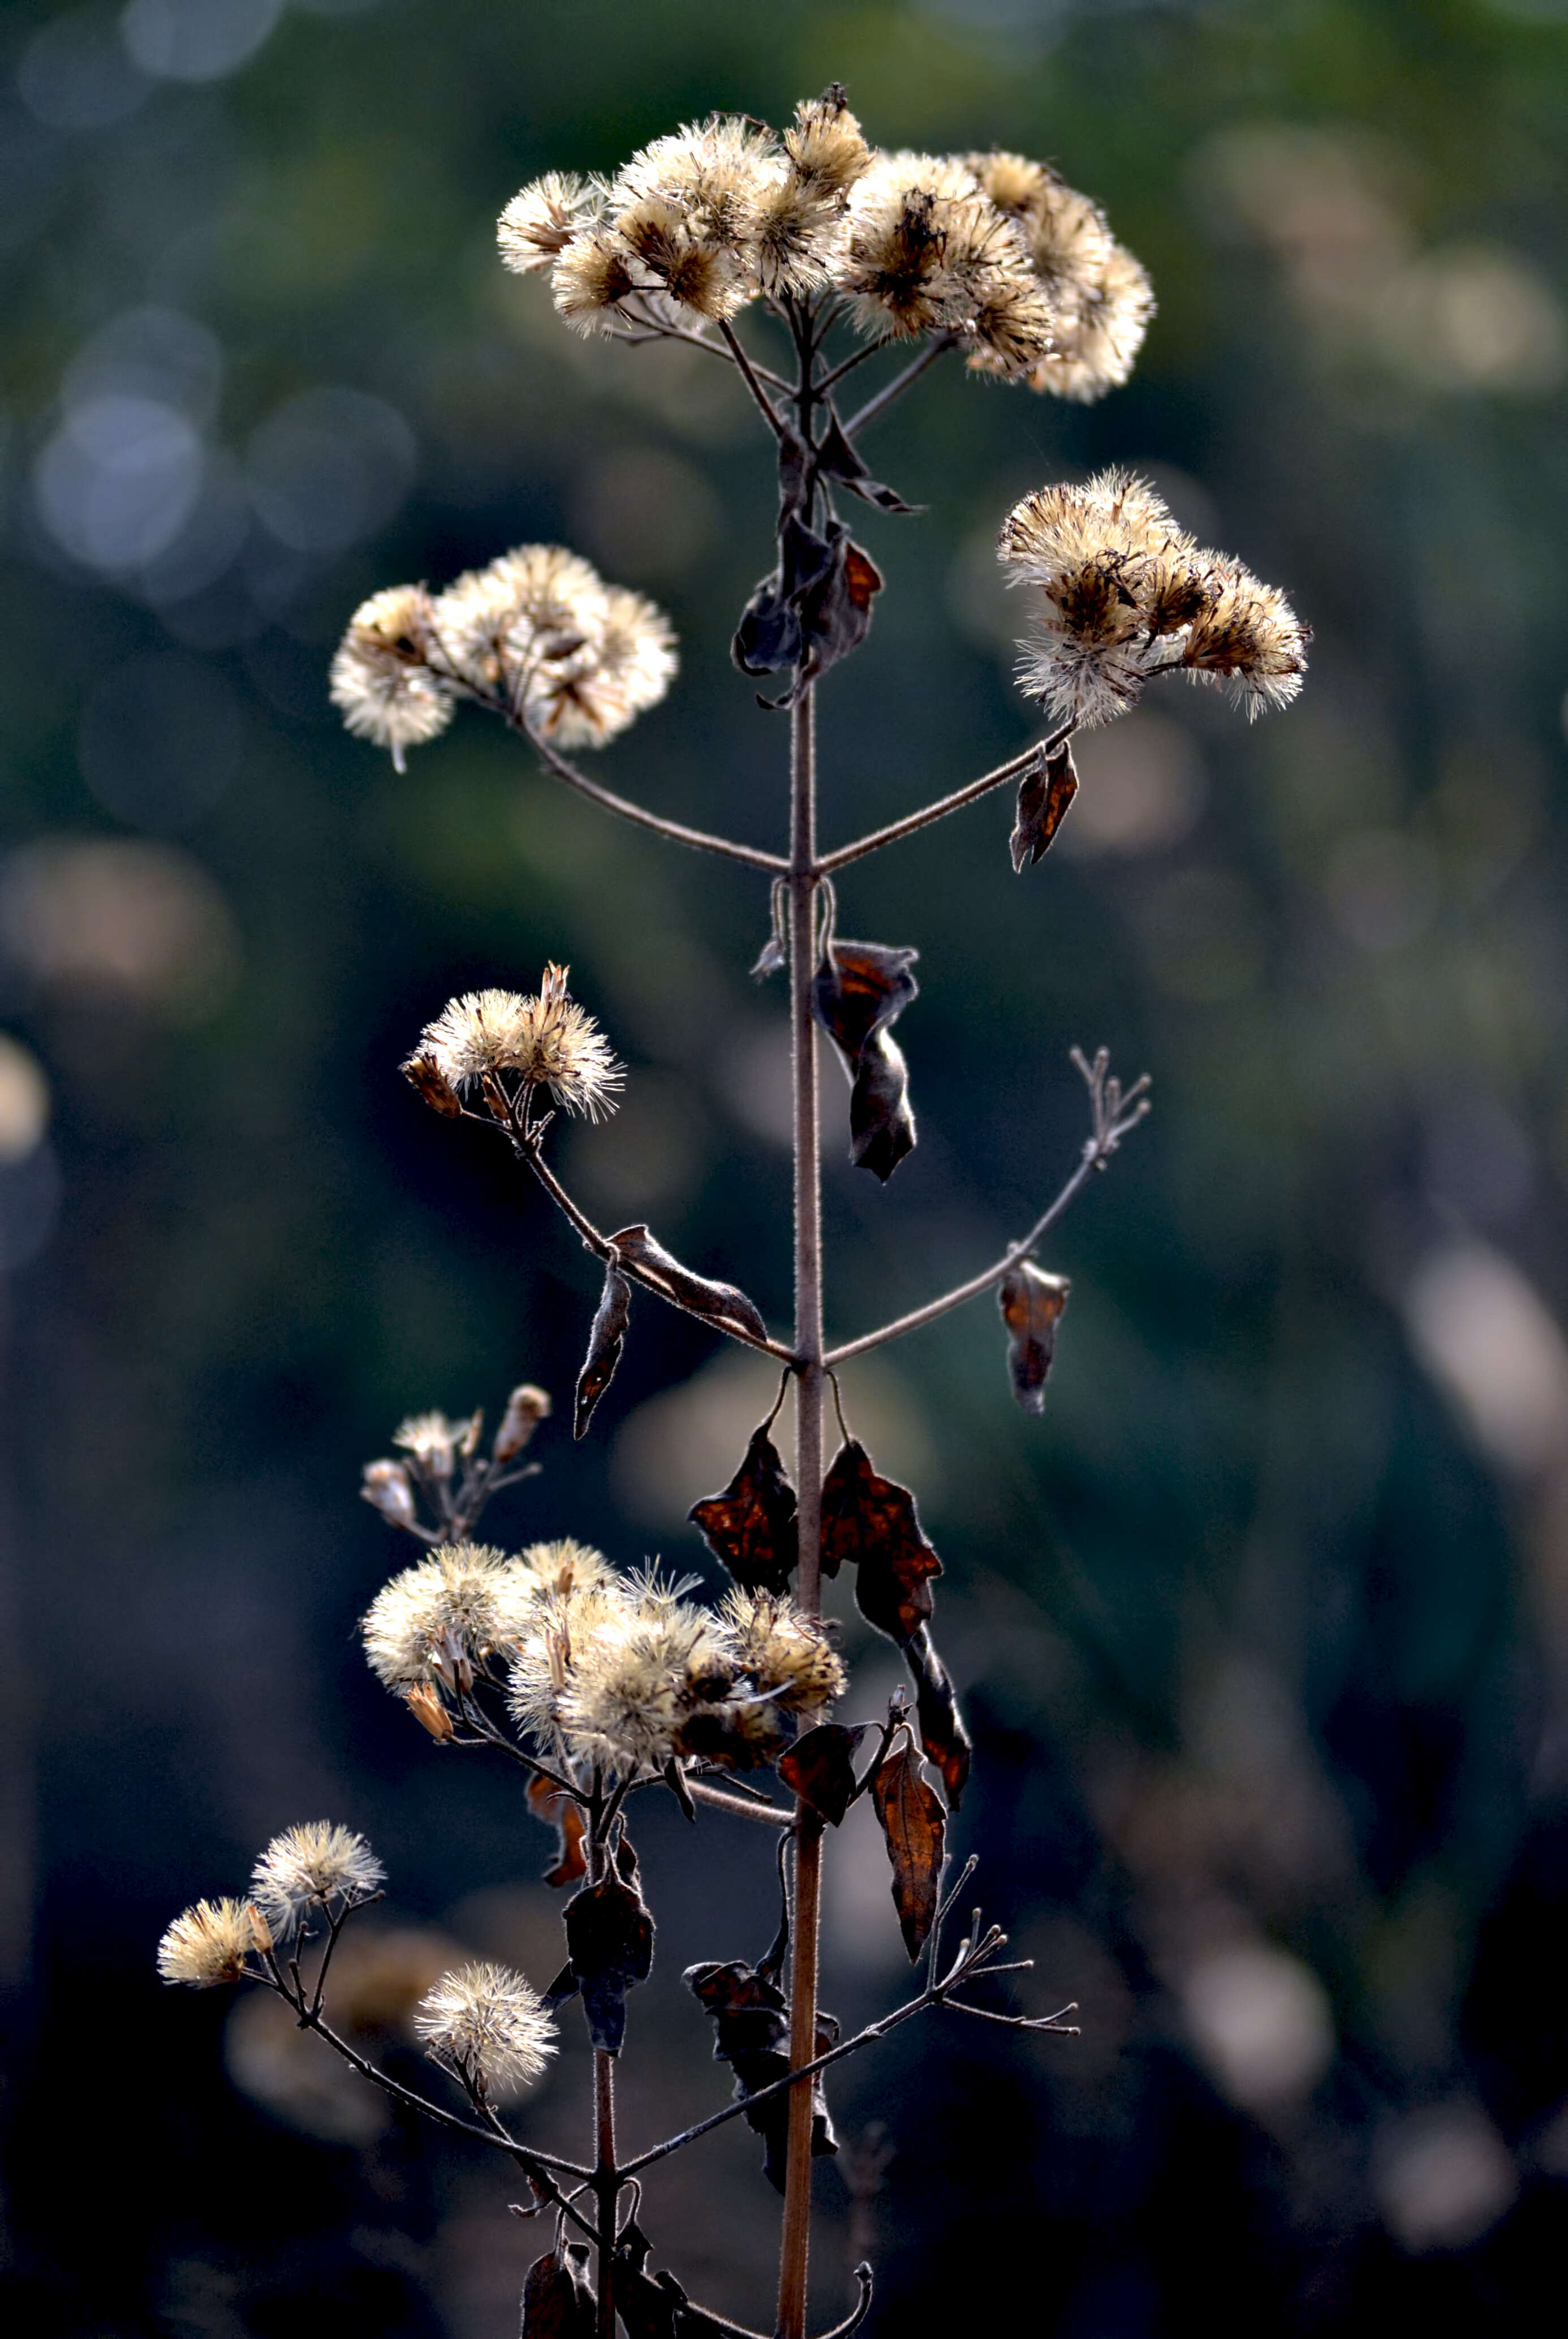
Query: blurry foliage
[[1265, 1624]]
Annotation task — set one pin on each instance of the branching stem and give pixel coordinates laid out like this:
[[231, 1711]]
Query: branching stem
[[1013, 769], [938, 345], [1098, 1148], [675, 831]]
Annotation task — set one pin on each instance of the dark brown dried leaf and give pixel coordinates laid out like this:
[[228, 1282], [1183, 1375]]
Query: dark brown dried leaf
[[860, 989], [914, 1826], [872, 1523], [942, 1735], [1044, 793], [607, 1338], [610, 1945], [558, 2297], [751, 1526], [1032, 1302], [839, 459], [558, 1810], [820, 1769], [719, 1304], [751, 2018]]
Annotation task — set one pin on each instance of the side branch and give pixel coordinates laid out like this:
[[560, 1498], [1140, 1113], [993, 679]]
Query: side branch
[[1116, 1112], [1014, 769], [976, 1957], [526, 1143], [938, 346], [675, 831]]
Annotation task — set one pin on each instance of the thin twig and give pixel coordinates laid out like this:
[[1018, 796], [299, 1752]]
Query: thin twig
[[527, 2154], [748, 374], [527, 1149], [653, 329], [1108, 1135], [1051, 2022], [1013, 769], [825, 382], [938, 346], [675, 831], [972, 1960], [769, 1814]]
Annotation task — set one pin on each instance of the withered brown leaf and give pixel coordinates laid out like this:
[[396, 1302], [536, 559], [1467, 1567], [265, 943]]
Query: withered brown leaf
[[860, 989], [607, 1338], [820, 1769], [751, 1526], [1044, 794], [610, 1946], [1032, 1302], [750, 2018], [842, 460], [719, 1304], [557, 2296], [914, 1826], [558, 1810], [871, 1521], [942, 1735]]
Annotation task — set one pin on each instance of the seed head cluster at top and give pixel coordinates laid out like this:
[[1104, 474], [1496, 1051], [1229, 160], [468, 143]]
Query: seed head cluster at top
[[607, 1668], [1124, 593], [995, 250]]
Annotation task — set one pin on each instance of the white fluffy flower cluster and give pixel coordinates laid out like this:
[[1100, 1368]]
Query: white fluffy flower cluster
[[993, 249]]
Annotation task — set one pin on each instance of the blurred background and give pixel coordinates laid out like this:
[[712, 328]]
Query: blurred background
[[1263, 1628]]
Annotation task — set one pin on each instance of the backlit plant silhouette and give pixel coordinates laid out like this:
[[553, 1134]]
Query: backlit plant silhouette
[[601, 1685]]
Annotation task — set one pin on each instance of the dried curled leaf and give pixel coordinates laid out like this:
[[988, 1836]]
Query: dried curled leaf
[[607, 1338], [871, 1521], [820, 1769], [1032, 1302], [751, 2019], [719, 1304], [942, 1735], [813, 609], [751, 1526], [914, 1826], [610, 1949], [838, 457], [861, 988], [558, 1810], [557, 2296], [1044, 794]]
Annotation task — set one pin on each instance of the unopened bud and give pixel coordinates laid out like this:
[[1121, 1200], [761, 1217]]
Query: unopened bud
[[387, 1489], [260, 1931], [526, 1407], [426, 1708], [469, 1444], [433, 1085]]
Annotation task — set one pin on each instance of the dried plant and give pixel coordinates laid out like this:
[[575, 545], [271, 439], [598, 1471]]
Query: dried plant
[[599, 1683]]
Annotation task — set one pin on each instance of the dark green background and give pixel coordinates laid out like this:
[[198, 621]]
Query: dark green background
[[1264, 1633]]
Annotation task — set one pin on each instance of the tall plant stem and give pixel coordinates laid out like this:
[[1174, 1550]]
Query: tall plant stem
[[607, 2180], [803, 885], [606, 2183]]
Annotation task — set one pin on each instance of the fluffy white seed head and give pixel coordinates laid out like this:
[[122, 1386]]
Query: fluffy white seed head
[[210, 1943], [313, 1866], [380, 681], [541, 220], [437, 1621], [489, 2025], [545, 1040]]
